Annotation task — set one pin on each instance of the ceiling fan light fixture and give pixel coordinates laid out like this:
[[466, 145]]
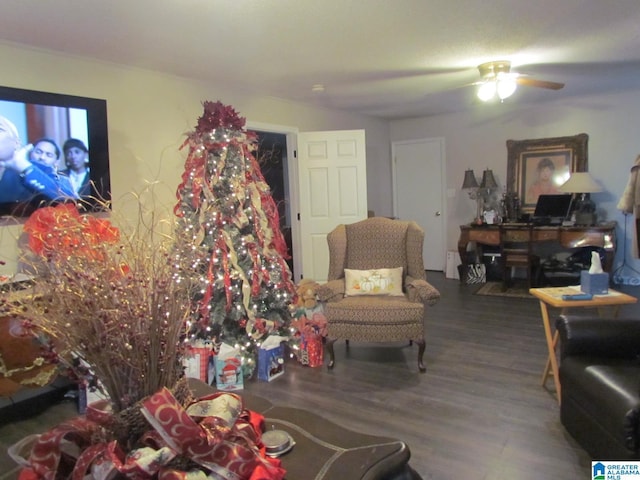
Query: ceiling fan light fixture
[[486, 90], [497, 80]]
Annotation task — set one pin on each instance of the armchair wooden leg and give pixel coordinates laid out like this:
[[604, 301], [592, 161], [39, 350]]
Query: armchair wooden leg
[[422, 345], [332, 355]]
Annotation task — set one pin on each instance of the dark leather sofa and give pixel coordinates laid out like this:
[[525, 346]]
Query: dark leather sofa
[[600, 383]]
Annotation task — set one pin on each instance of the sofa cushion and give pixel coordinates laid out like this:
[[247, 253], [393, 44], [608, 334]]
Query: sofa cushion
[[608, 393], [377, 309]]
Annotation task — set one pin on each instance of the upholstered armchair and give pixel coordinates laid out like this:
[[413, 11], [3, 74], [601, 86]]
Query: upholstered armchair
[[374, 304]]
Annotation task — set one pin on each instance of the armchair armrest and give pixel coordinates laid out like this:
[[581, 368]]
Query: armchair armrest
[[599, 337], [419, 290], [332, 291]]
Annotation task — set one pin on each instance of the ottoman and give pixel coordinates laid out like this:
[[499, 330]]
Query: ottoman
[[324, 450]]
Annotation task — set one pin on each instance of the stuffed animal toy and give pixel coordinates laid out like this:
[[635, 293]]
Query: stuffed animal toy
[[306, 294]]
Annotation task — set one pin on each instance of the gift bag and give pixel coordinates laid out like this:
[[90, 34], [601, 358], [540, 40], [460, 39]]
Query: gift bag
[[90, 391], [196, 361], [476, 273], [312, 351], [229, 369], [211, 371], [311, 326], [271, 358]]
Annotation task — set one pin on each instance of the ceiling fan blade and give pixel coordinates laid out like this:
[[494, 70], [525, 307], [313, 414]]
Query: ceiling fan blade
[[532, 82]]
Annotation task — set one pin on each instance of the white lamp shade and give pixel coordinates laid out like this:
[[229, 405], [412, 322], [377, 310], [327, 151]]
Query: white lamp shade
[[506, 86], [486, 90], [580, 182]]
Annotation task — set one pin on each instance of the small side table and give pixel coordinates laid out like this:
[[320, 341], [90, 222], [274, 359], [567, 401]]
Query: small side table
[[552, 297]]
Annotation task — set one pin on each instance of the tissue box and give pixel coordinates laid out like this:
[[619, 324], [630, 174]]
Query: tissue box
[[270, 362], [594, 283]]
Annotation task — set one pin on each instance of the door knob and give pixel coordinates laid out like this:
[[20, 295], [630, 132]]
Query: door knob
[[438, 214]]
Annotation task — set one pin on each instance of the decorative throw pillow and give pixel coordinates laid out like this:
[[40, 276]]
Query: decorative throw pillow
[[382, 281]]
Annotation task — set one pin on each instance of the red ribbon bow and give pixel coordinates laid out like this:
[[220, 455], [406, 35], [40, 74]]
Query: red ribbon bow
[[215, 432]]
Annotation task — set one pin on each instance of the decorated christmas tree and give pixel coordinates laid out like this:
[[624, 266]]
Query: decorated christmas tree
[[237, 253]]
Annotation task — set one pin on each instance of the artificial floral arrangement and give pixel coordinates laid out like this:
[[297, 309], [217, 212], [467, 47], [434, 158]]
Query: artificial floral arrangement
[[118, 302], [114, 301]]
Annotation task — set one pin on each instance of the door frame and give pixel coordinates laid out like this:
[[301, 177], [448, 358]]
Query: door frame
[[291, 134], [443, 192]]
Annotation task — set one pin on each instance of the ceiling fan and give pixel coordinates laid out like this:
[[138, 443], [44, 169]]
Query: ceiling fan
[[498, 79]]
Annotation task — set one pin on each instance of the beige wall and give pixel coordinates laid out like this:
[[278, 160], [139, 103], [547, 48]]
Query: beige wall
[[477, 140], [150, 112]]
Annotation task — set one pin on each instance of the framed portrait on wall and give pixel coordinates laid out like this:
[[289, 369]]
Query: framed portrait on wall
[[540, 166]]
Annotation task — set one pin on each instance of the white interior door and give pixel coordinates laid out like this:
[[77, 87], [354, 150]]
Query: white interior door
[[418, 189], [333, 190]]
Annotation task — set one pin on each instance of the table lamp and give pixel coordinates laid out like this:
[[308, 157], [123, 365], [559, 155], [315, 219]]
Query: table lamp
[[582, 184], [479, 192]]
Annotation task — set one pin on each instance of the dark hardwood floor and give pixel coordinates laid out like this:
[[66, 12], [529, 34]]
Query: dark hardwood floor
[[479, 412]]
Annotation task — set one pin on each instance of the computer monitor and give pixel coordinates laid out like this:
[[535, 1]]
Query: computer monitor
[[552, 209]]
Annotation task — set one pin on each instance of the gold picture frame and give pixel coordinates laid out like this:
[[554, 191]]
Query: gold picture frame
[[539, 166]]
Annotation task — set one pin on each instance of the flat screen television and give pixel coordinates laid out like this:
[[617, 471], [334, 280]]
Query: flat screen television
[[65, 120]]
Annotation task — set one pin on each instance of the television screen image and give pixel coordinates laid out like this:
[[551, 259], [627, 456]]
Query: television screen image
[[62, 154]]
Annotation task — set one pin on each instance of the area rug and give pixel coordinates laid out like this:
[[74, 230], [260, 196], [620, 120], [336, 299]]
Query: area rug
[[495, 289]]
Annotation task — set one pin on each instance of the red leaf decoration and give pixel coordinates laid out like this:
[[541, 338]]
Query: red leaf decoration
[[62, 231], [218, 115]]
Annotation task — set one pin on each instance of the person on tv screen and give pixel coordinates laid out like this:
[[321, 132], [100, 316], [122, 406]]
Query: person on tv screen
[[76, 156], [32, 168], [11, 189]]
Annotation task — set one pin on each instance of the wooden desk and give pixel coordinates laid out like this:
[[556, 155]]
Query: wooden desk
[[603, 235], [552, 297]]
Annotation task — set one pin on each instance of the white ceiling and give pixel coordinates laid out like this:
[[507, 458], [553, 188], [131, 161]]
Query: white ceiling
[[388, 58]]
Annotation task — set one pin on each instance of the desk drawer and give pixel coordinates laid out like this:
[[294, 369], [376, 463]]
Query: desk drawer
[[485, 237], [546, 235], [582, 239]]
